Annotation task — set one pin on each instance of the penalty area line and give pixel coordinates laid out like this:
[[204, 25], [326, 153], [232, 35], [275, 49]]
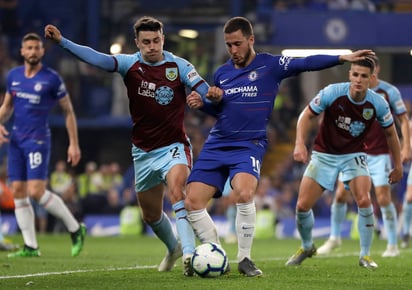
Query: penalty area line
[[76, 271]]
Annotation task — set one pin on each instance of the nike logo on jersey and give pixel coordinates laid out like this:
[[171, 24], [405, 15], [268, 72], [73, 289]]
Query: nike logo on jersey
[[15, 83], [223, 81]]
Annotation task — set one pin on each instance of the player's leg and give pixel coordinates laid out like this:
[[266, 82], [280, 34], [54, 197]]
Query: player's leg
[[389, 216], [338, 214], [244, 188], [176, 181], [151, 204], [309, 192], [407, 213], [25, 219], [360, 187], [379, 167]]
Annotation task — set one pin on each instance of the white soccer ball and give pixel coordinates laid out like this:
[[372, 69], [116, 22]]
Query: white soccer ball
[[209, 260]]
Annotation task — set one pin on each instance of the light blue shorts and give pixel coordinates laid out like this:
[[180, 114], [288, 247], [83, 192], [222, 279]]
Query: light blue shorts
[[409, 181], [151, 168], [379, 169], [324, 168]]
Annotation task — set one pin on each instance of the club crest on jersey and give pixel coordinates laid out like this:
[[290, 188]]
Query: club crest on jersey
[[367, 114], [171, 73], [164, 95], [252, 75], [37, 87]]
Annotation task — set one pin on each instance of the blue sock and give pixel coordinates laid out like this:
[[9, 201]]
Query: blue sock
[[164, 231], [304, 223], [390, 223], [365, 227], [407, 217], [338, 213], [184, 228]]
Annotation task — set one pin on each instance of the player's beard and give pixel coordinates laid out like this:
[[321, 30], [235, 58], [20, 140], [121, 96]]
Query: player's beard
[[33, 61], [245, 60]]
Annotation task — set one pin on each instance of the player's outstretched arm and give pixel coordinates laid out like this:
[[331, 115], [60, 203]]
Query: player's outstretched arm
[[356, 55]]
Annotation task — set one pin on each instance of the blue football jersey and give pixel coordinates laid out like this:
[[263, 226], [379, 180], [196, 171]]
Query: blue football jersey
[[249, 95], [33, 98]]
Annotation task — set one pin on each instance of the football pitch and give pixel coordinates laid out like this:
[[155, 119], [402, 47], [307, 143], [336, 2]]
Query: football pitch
[[131, 263]]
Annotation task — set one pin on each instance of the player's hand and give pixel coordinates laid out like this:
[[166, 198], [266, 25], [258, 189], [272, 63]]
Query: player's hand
[[3, 134], [300, 153], [73, 155], [214, 94], [51, 32], [194, 100], [395, 175], [356, 55]]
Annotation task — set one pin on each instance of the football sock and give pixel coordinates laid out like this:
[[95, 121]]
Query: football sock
[[338, 213], [164, 231], [55, 205], [203, 225], [304, 223], [365, 227], [407, 217], [25, 219], [245, 228], [390, 223], [184, 229]]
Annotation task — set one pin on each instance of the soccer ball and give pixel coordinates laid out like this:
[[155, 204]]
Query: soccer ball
[[209, 260]]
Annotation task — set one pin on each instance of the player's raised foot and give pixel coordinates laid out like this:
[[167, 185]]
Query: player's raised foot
[[405, 242], [329, 246], [367, 262], [78, 240], [391, 251], [26, 252], [169, 260], [300, 256], [187, 266], [247, 268]]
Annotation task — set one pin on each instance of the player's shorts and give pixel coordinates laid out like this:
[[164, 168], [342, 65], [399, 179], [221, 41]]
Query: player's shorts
[[409, 180], [151, 168], [227, 188], [28, 159], [324, 168], [379, 168], [215, 166]]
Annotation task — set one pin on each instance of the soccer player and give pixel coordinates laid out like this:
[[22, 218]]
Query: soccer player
[[32, 91], [379, 164], [350, 110], [242, 101], [156, 81]]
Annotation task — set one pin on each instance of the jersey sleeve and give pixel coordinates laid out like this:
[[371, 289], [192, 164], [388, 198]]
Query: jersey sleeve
[[322, 100], [89, 55], [396, 101], [383, 112]]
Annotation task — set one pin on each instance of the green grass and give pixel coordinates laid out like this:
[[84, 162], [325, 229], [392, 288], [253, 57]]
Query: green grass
[[131, 263]]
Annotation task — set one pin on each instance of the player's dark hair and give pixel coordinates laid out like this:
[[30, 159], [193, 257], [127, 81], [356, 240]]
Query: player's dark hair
[[367, 62], [147, 23], [374, 58], [239, 23], [31, 36]]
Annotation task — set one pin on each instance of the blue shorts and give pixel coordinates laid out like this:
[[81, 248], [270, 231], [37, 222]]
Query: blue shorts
[[151, 168], [28, 159], [215, 166], [324, 168]]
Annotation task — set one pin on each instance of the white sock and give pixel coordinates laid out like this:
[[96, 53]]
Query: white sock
[[203, 226], [25, 219], [55, 205], [245, 228]]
